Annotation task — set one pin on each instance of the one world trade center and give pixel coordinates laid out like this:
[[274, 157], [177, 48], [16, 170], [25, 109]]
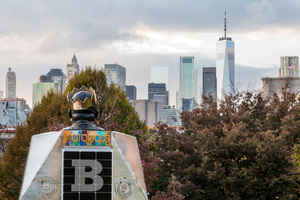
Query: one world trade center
[[225, 65]]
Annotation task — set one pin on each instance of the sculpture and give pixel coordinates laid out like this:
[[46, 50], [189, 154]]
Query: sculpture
[[83, 161]]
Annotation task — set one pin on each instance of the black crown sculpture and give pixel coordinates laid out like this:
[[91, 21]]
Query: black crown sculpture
[[82, 98]]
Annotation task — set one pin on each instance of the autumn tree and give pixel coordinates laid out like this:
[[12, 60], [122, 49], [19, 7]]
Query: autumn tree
[[171, 194], [239, 149]]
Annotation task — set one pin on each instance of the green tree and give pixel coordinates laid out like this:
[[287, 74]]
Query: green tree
[[239, 150], [115, 111]]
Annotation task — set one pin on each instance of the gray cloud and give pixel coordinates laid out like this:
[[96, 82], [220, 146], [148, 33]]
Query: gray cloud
[[90, 24], [263, 11]]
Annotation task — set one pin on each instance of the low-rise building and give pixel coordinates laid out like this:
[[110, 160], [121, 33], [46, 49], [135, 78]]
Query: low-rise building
[[13, 112], [149, 111], [172, 116], [278, 85]]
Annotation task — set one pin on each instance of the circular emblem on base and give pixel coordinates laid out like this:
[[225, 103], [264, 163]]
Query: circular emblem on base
[[46, 187], [123, 187]]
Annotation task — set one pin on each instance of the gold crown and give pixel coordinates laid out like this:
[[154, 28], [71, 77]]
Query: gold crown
[[78, 104]]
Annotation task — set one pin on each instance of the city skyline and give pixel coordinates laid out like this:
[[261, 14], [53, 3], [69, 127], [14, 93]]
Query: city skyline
[[45, 35]]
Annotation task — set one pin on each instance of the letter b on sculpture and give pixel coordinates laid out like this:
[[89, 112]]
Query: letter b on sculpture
[[83, 172]]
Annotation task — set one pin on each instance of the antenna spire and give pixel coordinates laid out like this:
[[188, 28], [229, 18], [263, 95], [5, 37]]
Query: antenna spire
[[225, 23]]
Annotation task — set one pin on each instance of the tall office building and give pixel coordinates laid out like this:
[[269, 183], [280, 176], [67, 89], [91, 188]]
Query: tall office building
[[115, 73], [11, 84], [55, 76], [158, 92], [160, 74], [289, 66], [39, 89], [225, 65], [72, 68], [54, 79], [209, 86], [131, 92], [187, 94]]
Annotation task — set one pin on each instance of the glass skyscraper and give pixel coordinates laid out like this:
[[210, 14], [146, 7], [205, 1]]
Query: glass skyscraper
[[131, 92], [187, 94], [209, 86], [115, 73], [225, 66]]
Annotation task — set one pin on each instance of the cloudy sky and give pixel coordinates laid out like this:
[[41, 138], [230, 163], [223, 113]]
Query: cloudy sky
[[36, 36]]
